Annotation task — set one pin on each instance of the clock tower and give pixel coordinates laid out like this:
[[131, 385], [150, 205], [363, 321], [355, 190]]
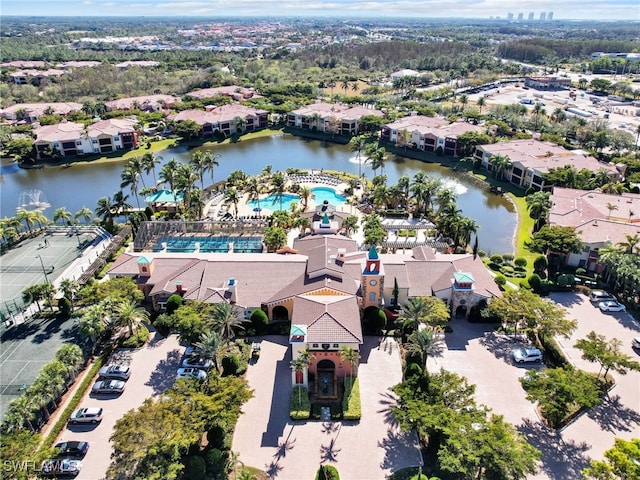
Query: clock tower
[[372, 280]]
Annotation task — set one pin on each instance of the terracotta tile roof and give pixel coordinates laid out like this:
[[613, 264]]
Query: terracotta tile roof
[[328, 318], [225, 113], [155, 101], [230, 90], [64, 131], [111, 127], [338, 110], [37, 109]]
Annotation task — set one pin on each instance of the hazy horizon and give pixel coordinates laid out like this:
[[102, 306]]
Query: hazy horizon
[[480, 9]]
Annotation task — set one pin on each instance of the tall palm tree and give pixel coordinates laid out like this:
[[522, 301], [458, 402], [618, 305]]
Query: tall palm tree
[[481, 103], [210, 346], [130, 179], [232, 196], [225, 319], [149, 162], [25, 408], [197, 163], [413, 313], [500, 163], [350, 224], [104, 209], [466, 227], [254, 188], [278, 187], [120, 204], [539, 204], [85, 213], [378, 159], [357, 144], [210, 162], [168, 173], [305, 194], [611, 207], [129, 314], [240, 124], [185, 181], [137, 164], [28, 217], [348, 354], [93, 323], [631, 245], [71, 357], [298, 366], [62, 214], [68, 287], [421, 342]]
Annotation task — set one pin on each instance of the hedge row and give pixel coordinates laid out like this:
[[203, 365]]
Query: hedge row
[[75, 400], [300, 406], [351, 407]]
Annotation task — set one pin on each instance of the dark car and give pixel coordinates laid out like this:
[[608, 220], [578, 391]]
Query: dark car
[[62, 467], [72, 448], [108, 386]]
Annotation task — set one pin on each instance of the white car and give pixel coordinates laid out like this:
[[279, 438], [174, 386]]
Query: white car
[[597, 296], [118, 372], [86, 415], [190, 372], [635, 343], [612, 306], [522, 355], [197, 362]]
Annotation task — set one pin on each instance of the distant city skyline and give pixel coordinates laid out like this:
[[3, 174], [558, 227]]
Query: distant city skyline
[[563, 10]]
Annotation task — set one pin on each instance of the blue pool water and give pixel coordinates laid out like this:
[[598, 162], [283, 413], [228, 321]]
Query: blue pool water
[[272, 203], [324, 193], [210, 244]]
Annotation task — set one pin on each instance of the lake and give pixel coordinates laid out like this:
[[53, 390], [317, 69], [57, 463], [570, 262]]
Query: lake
[[83, 184]]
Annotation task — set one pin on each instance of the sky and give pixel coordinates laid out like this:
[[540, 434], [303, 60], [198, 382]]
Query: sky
[[562, 9]]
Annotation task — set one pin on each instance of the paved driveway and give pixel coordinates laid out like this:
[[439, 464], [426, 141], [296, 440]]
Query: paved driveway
[[368, 450], [153, 369], [483, 357]]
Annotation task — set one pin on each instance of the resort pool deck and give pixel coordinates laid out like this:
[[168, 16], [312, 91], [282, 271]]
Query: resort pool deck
[[321, 194], [209, 244]]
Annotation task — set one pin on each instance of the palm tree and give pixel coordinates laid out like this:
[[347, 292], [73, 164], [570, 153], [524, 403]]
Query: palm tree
[[225, 319], [93, 323], [481, 103], [500, 163], [137, 164], [232, 196], [240, 124], [25, 408], [350, 224], [130, 179], [298, 366], [185, 181], [539, 204], [28, 217], [71, 357], [62, 214], [631, 246], [611, 207], [168, 173], [254, 188], [211, 161], [358, 144], [305, 194], [85, 213], [104, 209], [314, 121], [129, 314], [278, 186], [149, 162], [120, 204], [421, 342], [69, 287], [209, 347], [378, 158], [466, 227], [413, 313], [348, 354], [197, 163]]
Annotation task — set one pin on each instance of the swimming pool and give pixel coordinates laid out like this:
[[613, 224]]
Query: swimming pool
[[209, 244], [329, 194], [272, 202]]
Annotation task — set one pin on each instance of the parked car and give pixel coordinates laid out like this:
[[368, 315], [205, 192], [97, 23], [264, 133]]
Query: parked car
[[522, 355], [72, 448], [600, 296], [108, 386], [192, 351], [612, 306], [635, 342], [190, 372], [61, 467], [86, 415], [119, 372], [197, 362]]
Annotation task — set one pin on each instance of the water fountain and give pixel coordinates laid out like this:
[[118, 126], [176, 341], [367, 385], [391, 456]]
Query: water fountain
[[32, 200]]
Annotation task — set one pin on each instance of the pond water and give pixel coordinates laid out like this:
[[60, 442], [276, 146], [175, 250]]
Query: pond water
[[83, 184]]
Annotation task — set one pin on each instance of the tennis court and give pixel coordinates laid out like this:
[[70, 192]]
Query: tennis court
[[38, 260]]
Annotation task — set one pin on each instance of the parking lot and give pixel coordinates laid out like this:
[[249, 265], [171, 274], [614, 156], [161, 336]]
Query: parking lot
[[484, 358], [153, 370]]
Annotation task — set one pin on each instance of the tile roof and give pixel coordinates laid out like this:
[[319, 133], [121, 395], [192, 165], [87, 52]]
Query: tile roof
[[64, 131], [328, 318], [225, 113]]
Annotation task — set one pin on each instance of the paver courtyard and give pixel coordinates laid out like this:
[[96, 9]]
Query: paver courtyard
[[370, 449]]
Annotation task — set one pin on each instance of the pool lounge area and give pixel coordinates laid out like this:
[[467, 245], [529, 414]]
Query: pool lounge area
[[218, 244]]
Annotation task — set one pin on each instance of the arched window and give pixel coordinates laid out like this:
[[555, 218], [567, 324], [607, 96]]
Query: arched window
[[372, 297]]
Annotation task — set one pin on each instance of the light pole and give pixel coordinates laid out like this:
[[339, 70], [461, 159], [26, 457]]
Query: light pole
[[44, 270]]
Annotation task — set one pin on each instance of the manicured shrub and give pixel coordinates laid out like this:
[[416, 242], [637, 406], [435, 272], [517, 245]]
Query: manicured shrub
[[194, 468], [553, 354], [500, 280], [507, 270], [230, 364], [215, 461], [482, 253], [535, 282], [412, 369], [64, 305], [519, 269], [216, 437], [351, 407], [562, 280], [507, 257], [173, 303], [376, 320], [138, 339], [300, 406], [581, 271], [520, 262], [496, 258], [540, 264], [327, 472], [259, 321]]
